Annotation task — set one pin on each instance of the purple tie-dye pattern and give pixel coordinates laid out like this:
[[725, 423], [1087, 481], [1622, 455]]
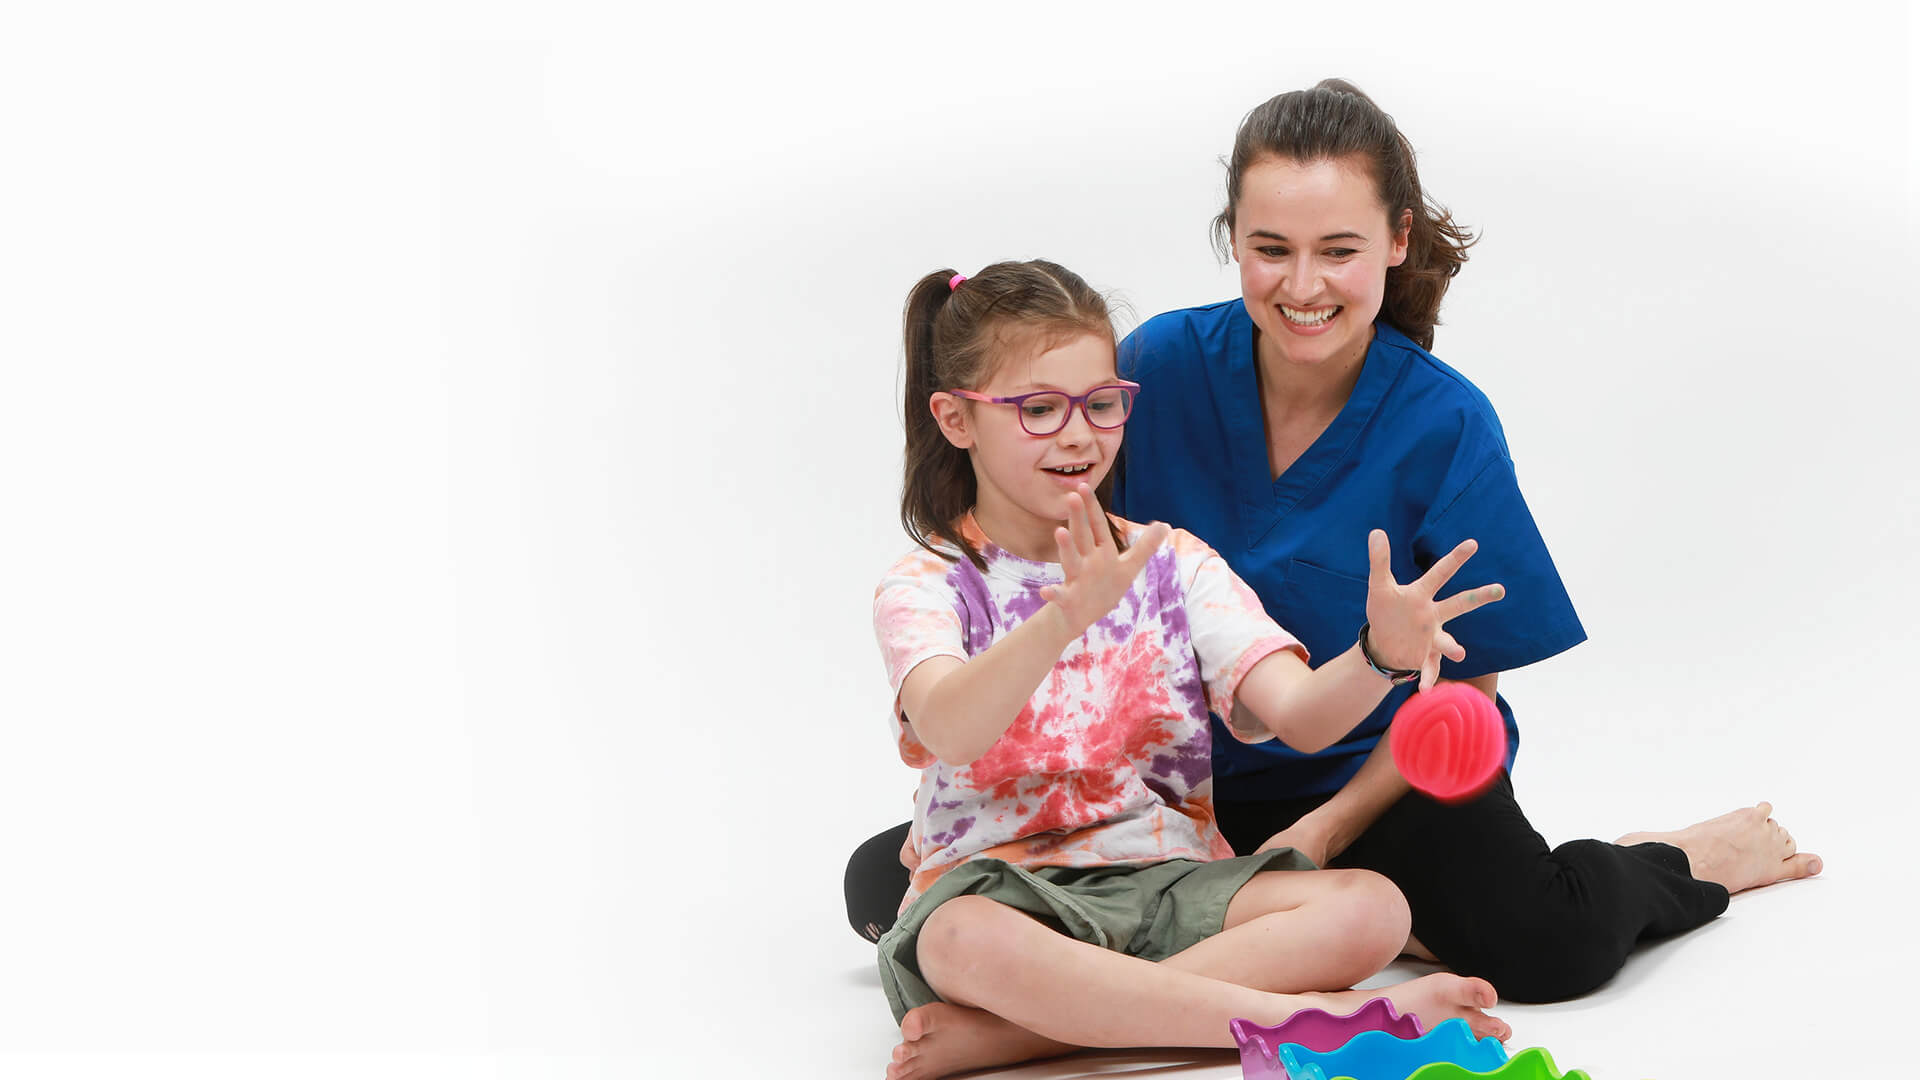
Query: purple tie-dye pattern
[[1159, 787], [955, 831], [974, 603], [1163, 577], [1023, 605], [1185, 683], [1118, 624], [934, 804], [1192, 762]]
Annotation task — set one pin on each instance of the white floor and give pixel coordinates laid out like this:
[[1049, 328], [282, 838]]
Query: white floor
[[1761, 986], [1802, 975]]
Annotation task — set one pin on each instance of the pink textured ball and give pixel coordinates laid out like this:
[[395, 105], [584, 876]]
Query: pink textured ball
[[1449, 742]]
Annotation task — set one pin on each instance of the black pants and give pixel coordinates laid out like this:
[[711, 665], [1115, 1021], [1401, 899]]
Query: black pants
[[1488, 897]]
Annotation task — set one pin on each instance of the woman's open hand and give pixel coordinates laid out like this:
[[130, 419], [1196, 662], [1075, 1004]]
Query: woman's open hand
[[1406, 623], [1097, 574]]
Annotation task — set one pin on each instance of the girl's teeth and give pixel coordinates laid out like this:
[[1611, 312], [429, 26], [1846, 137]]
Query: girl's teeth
[[1308, 318]]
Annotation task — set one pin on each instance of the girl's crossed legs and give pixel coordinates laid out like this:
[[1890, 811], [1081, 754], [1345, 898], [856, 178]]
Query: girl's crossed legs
[[1013, 989]]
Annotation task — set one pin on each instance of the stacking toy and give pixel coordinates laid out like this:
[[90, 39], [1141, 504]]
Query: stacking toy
[[1379, 1055], [1449, 742], [1314, 1029], [1376, 1042], [1531, 1064]]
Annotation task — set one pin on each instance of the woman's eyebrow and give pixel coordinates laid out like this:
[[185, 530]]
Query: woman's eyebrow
[[1270, 235]]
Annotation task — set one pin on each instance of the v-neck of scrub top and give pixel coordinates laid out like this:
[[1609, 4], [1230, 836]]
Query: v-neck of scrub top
[[1265, 500]]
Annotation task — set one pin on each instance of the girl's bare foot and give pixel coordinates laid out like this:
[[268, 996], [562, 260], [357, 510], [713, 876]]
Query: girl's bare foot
[[1436, 998], [941, 1039], [1740, 850]]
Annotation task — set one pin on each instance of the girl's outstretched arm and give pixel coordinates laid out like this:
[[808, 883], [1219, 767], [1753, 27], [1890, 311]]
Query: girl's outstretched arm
[[959, 709], [1310, 709]]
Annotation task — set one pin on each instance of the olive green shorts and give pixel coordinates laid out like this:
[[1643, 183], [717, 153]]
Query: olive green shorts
[[1151, 911]]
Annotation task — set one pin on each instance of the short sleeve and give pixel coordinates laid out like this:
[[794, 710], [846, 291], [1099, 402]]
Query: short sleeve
[[1231, 631], [1536, 618], [913, 621]]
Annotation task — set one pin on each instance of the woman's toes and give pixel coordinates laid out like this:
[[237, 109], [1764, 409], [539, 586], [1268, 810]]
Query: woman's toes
[[1804, 865]]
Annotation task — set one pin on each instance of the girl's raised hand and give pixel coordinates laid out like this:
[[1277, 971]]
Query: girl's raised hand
[[1097, 574], [1405, 622]]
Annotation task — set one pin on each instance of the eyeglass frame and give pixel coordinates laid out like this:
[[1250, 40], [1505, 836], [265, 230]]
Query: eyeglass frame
[[1132, 389]]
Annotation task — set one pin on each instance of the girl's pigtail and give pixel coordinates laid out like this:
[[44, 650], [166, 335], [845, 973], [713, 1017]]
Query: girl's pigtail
[[938, 489]]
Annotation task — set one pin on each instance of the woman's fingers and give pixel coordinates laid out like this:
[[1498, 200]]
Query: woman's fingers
[[1448, 647], [1439, 572], [1379, 560], [1462, 602], [1430, 671]]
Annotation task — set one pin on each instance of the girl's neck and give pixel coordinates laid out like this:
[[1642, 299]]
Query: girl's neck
[[1018, 533]]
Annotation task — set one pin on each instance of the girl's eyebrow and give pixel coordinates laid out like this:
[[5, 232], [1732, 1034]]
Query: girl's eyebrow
[[1038, 387], [1268, 235]]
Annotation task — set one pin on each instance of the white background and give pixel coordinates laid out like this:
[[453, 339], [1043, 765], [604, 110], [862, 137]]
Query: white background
[[448, 454]]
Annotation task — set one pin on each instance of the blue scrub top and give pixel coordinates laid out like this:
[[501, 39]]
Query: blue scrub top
[[1417, 451]]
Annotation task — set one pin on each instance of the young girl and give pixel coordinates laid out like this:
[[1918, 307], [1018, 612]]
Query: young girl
[[1054, 667]]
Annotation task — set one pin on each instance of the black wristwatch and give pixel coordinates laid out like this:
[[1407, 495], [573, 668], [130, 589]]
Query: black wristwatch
[[1396, 676]]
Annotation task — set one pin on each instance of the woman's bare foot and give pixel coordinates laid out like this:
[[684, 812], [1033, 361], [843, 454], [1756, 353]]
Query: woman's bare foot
[[941, 1039], [1436, 998], [1740, 850]]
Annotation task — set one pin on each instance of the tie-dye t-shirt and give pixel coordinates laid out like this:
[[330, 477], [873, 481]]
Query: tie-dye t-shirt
[[1111, 760]]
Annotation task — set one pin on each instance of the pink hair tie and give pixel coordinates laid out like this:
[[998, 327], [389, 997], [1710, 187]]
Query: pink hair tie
[[954, 281]]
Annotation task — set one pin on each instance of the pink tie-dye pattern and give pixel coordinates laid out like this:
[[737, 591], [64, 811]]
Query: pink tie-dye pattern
[[1109, 761]]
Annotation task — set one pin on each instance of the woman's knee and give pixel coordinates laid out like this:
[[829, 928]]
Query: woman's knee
[[875, 883], [1551, 965], [1547, 945]]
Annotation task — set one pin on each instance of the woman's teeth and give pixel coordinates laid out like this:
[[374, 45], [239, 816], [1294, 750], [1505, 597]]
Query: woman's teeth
[[1308, 318]]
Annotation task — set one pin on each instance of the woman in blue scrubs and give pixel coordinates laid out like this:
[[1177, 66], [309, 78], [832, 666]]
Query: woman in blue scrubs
[[1281, 427]]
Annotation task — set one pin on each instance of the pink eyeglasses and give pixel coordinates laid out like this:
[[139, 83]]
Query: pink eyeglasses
[[1045, 412]]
